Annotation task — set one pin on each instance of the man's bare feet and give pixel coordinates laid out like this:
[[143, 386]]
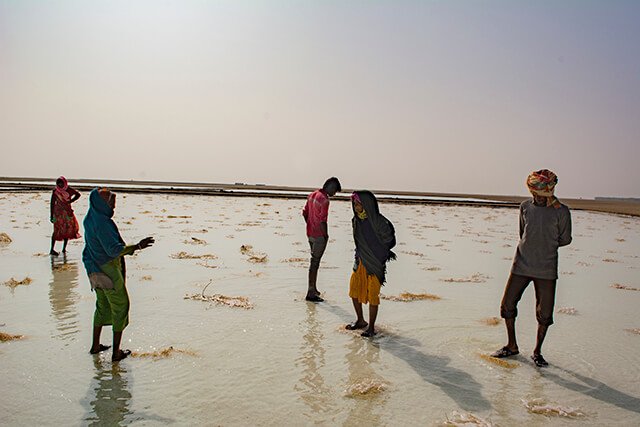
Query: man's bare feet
[[356, 325], [368, 333], [54, 253]]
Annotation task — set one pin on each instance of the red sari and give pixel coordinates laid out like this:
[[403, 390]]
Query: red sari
[[65, 224]]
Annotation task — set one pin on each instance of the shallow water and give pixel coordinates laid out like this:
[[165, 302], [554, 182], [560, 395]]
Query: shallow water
[[288, 361]]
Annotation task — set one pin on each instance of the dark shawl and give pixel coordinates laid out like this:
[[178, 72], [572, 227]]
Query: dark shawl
[[374, 237]]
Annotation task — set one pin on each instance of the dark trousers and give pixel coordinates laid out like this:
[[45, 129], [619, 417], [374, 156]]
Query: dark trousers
[[545, 298]]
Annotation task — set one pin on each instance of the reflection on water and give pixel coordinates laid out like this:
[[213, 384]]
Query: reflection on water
[[312, 388], [63, 297], [366, 408], [110, 398]]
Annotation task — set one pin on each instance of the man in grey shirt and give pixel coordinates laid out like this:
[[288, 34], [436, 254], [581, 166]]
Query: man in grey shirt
[[545, 225]]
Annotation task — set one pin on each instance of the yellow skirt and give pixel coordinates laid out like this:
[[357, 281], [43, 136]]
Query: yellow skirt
[[364, 287]]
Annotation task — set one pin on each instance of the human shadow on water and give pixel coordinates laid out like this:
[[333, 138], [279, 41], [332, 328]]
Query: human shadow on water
[[455, 383], [592, 388], [111, 399]]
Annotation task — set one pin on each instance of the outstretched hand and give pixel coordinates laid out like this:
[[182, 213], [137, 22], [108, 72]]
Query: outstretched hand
[[146, 242]]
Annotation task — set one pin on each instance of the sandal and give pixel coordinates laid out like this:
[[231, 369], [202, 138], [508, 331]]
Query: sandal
[[504, 352], [102, 348], [353, 326], [123, 355], [368, 334], [539, 360]]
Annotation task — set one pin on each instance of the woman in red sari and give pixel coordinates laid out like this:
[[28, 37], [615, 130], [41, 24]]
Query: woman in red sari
[[65, 224]]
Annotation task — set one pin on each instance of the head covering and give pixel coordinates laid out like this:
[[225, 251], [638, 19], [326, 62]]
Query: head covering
[[374, 235], [62, 192], [356, 199], [542, 183], [103, 242]]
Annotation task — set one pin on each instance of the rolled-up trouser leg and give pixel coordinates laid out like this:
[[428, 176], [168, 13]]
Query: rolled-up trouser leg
[[516, 286], [545, 300]]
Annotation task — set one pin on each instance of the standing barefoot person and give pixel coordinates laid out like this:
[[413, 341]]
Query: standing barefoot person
[[316, 213], [374, 237], [65, 224], [103, 258], [545, 225]]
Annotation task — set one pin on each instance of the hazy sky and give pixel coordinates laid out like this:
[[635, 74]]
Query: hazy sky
[[444, 96]]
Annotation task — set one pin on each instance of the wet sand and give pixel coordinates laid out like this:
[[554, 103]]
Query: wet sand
[[285, 361]]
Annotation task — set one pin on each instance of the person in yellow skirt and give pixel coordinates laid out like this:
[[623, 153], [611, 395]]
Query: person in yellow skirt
[[374, 237]]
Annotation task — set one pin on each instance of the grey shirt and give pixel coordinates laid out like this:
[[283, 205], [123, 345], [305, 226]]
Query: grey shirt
[[542, 231]]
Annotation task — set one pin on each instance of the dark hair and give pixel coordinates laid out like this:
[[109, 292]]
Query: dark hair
[[332, 180]]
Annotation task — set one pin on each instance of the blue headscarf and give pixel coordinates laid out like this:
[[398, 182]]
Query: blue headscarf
[[103, 242]]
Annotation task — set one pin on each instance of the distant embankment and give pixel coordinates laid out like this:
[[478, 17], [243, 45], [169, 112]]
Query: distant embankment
[[15, 184]]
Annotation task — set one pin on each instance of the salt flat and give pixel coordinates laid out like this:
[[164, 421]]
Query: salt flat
[[283, 360]]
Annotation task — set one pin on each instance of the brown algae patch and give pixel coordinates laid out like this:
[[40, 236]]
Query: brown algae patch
[[185, 255], [12, 283], [624, 287], [474, 278], [491, 321], [207, 265], [610, 260], [367, 387], [635, 331], [499, 362], [567, 310], [253, 257], [295, 260], [178, 216], [236, 302], [408, 297], [413, 253], [146, 278], [162, 354], [5, 239], [539, 406], [4, 337], [465, 419], [195, 241]]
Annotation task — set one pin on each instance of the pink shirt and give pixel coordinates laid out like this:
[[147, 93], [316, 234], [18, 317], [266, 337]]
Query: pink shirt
[[315, 212]]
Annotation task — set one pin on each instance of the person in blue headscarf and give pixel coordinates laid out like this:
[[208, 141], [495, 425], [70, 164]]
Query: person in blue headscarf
[[103, 258]]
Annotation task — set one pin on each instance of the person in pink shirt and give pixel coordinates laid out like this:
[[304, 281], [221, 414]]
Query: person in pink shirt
[[315, 214]]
